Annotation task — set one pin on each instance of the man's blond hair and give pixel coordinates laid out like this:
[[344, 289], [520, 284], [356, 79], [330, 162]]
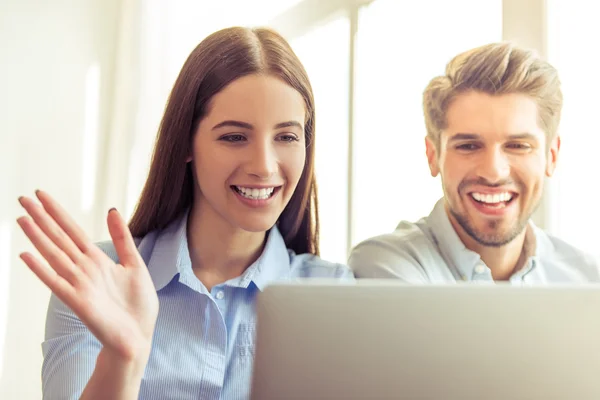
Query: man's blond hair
[[495, 69]]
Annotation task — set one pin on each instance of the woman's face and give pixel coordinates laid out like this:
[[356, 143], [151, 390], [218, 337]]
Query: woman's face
[[249, 152]]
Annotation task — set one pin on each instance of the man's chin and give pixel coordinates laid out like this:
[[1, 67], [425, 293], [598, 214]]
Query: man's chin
[[497, 237], [491, 240], [490, 232]]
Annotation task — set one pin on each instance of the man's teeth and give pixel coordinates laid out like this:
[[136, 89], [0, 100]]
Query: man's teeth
[[254, 193], [492, 198]]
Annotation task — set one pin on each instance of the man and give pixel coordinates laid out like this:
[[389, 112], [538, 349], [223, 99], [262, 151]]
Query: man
[[492, 125]]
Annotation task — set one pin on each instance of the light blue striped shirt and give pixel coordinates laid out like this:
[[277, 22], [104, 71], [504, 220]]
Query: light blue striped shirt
[[203, 343], [430, 251]]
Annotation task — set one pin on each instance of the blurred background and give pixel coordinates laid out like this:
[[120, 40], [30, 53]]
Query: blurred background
[[83, 84]]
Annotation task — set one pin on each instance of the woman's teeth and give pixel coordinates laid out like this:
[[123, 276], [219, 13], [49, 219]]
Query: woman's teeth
[[254, 193]]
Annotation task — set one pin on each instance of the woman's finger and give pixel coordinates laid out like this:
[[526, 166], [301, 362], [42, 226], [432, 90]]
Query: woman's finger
[[57, 259], [59, 286], [64, 220], [122, 239], [52, 230]]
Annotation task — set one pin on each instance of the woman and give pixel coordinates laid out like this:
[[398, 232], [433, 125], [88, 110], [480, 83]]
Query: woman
[[229, 206]]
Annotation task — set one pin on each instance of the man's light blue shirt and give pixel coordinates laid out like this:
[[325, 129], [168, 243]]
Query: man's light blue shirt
[[430, 251], [203, 346]]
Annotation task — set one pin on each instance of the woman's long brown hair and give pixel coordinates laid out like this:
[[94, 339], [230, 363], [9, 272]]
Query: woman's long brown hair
[[218, 60]]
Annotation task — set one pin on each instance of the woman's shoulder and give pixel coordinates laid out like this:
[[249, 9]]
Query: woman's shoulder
[[312, 266], [143, 244]]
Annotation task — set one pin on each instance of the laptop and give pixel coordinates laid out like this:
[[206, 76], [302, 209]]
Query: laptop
[[385, 340]]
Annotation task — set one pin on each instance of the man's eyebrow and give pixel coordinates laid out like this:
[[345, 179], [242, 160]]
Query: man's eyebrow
[[464, 136], [473, 136], [523, 136]]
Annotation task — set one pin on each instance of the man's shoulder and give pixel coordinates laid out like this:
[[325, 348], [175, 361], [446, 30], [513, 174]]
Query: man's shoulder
[[559, 251], [407, 237], [401, 253]]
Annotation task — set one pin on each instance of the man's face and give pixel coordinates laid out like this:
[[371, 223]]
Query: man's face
[[492, 159]]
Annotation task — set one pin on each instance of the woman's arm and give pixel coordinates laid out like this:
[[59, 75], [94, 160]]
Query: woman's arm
[[117, 302]]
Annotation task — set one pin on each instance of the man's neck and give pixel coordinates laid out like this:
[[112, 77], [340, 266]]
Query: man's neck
[[503, 261]]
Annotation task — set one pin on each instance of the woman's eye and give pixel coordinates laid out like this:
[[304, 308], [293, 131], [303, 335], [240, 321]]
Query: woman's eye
[[288, 138], [233, 138]]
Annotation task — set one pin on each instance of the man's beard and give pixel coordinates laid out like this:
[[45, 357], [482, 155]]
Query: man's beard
[[496, 239]]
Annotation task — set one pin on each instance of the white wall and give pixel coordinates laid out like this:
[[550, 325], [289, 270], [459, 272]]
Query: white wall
[[51, 102]]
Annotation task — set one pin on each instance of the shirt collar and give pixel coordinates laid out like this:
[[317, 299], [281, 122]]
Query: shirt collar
[[464, 261], [273, 264], [170, 256]]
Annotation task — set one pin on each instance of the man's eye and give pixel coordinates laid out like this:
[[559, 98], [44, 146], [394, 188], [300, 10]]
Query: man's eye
[[467, 146]]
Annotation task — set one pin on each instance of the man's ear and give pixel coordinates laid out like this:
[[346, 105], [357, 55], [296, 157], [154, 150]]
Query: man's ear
[[432, 156], [552, 156]]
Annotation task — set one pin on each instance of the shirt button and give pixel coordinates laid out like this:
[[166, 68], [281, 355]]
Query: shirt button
[[220, 295], [480, 269]]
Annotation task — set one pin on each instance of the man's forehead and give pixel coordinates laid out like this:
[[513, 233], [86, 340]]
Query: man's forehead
[[486, 115]]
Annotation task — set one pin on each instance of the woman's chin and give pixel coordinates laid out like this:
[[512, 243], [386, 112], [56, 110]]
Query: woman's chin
[[257, 225]]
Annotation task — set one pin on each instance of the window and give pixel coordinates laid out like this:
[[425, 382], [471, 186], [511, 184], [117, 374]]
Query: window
[[401, 47], [324, 51], [573, 33]]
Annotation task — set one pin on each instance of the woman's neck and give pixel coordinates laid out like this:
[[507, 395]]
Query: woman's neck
[[218, 250]]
